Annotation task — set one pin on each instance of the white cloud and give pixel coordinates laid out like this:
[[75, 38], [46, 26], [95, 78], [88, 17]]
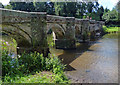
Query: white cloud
[[114, 2], [4, 2]]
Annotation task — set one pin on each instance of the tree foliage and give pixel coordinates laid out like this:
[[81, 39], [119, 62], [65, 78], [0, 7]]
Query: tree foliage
[[112, 15], [118, 9], [23, 6], [78, 9]]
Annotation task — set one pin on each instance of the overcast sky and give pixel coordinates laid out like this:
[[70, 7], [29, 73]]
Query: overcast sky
[[105, 3]]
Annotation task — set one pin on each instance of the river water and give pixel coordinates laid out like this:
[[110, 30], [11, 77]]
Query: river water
[[93, 62]]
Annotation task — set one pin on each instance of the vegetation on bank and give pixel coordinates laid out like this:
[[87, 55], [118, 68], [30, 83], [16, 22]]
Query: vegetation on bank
[[111, 29], [31, 68], [50, 40]]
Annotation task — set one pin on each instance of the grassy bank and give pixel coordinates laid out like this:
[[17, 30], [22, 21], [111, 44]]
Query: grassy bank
[[111, 29], [31, 68]]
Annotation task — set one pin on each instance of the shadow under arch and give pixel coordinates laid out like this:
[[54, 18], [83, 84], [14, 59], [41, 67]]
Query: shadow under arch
[[22, 38]]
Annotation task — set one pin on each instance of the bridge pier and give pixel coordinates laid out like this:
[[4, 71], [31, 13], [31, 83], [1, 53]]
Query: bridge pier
[[92, 35], [68, 42], [38, 35], [85, 31]]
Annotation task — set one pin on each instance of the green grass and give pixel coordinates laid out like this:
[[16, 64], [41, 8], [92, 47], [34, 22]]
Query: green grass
[[50, 40], [42, 77], [111, 29], [37, 78]]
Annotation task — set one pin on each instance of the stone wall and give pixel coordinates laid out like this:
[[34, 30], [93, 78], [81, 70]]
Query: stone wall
[[30, 29], [27, 28]]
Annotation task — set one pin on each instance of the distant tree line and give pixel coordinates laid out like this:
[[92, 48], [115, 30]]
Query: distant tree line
[[67, 9], [82, 10], [112, 17]]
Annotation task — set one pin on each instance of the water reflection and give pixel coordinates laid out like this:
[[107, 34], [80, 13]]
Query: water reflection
[[94, 62]]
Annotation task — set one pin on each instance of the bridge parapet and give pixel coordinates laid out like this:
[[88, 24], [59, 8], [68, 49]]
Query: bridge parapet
[[12, 16], [55, 19]]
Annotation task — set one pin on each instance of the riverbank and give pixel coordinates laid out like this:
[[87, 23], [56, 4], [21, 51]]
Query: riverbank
[[32, 68], [111, 29], [29, 68]]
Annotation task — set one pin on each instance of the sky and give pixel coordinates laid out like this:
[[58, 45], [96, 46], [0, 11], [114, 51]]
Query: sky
[[108, 3], [105, 3]]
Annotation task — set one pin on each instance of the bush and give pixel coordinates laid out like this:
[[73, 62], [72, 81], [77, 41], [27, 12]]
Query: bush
[[14, 68], [9, 65], [31, 62]]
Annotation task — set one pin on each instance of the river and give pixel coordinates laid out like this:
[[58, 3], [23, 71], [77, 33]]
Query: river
[[93, 62]]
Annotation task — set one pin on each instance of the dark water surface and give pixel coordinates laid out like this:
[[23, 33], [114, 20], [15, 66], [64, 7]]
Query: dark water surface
[[94, 62]]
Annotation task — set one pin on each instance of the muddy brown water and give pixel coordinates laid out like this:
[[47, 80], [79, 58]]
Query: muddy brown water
[[94, 62]]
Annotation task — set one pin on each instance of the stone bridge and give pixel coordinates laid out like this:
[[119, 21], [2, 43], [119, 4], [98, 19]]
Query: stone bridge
[[30, 29], [69, 30]]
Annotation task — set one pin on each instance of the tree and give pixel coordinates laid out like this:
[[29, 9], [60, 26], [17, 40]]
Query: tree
[[67, 9], [34, 7], [117, 7], [106, 10], [81, 9], [100, 12], [50, 8], [111, 15], [96, 6], [90, 7], [59, 8], [8, 7], [71, 9], [40, 6], [23, 6]]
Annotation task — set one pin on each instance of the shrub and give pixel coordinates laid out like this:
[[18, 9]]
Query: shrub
[[9, 65], [31, 62], [14, 68], [52, 63]]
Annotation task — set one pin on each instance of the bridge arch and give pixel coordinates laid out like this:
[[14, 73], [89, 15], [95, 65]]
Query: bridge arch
[[57, 30], [22, 37]]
